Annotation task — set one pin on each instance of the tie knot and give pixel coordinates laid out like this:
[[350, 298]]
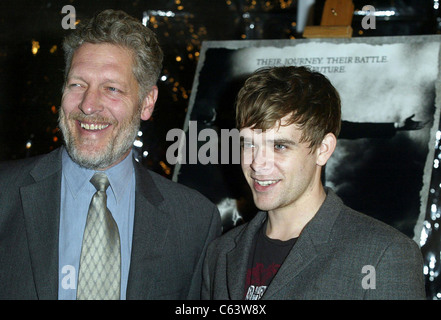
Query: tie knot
[[100, 181]]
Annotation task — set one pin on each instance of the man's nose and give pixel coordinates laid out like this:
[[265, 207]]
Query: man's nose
[[263, 160], [91, 102]]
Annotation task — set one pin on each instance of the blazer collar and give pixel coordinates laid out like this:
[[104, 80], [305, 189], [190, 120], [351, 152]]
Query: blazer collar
[[310, 242], [146, 186], [319, 228], [237, 259], [150, 232], [315, 234]]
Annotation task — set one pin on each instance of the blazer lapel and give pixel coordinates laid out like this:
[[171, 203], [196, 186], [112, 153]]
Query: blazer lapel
[[237, 259], [149, 235], [311, 240], [298, 259], [41, 209]]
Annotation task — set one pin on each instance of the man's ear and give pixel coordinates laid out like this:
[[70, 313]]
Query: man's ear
[[326, 149], [148, 104]]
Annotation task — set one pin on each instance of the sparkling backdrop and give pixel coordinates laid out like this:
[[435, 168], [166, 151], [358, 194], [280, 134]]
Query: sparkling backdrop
[[430, 240]]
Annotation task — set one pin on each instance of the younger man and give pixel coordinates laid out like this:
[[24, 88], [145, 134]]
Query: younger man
[[304, 243]]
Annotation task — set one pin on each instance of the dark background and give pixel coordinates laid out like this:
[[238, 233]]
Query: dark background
[[31, 81]]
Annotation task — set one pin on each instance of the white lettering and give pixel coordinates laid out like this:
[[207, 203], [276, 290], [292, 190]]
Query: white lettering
[[368, 281], [68, 21]]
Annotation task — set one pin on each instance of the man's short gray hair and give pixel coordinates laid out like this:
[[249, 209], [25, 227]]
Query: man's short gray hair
[[119, 28]]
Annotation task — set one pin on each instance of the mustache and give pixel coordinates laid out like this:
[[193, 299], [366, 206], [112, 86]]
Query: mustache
[[91, 118]]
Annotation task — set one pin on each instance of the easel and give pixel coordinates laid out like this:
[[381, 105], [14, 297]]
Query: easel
[[336, 21]]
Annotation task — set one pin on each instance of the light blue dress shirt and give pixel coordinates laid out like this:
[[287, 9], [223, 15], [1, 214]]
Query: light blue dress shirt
[[76, 194]]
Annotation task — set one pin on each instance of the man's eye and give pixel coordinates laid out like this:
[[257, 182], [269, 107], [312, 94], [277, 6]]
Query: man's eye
[[279, 147], [113, 89], [247, 145]]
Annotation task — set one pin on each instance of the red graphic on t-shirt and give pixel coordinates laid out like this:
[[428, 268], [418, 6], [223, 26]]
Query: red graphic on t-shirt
[[258, 279], [259, 275]]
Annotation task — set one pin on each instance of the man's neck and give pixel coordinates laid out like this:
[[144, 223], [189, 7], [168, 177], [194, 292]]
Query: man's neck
[[288, 222]]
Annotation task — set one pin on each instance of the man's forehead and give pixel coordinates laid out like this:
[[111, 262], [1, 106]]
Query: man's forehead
[[103, 54], [281, 131]]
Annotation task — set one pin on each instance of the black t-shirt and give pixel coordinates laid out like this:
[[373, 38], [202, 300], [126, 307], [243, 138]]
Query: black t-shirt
[[266, 257]]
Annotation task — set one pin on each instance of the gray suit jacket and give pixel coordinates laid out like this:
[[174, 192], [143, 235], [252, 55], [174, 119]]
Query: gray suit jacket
[[172, 228], [325, 263]]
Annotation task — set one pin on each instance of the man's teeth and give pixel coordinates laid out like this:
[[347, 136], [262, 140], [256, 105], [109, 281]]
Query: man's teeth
[[94, 126], [266, 182]]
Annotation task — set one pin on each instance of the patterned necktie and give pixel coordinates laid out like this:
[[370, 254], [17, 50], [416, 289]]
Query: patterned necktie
[[99, 276]]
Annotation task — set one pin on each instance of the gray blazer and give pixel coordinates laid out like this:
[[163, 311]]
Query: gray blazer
[[173, 226], [325, 263]]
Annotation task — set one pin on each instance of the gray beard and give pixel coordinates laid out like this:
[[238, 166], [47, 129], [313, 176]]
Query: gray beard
[[114, 152]]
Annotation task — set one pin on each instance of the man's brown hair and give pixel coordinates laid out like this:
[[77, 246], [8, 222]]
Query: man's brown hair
[[308, 97]]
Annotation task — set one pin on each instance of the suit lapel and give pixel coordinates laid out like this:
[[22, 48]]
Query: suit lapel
[[302, 254], [237, 259], [314, 235], [149, 235], [41, 209]]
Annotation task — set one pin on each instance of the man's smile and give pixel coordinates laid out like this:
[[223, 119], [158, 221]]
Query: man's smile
[[266, 182], [264, 185], [93, 126]]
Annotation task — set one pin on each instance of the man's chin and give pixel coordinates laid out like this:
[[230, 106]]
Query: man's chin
[[102, 154], [263, 206], [92, 159]]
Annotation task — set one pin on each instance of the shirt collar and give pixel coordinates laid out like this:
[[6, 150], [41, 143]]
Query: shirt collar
[[78, 177]]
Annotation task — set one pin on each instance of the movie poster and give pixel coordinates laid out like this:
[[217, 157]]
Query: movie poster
[[390, 115]]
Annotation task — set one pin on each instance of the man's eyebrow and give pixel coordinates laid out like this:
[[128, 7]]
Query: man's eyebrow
[[283, 141], [75, 77], [105, 81], [109, 80]]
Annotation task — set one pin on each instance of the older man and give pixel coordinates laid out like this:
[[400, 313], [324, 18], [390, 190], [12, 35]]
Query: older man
[[87, 221]]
